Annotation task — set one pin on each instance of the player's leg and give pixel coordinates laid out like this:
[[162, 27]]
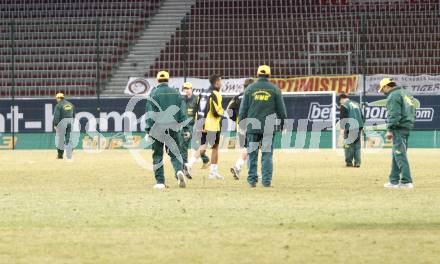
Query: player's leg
[[357, 152], [349, 148], [348, 156], [214, 174], [199, 151], [394, 177], [352, 148], [157, 148], [402, 159], [60, 140], [176, 161], [196, 155], [195, 144], [68, 142], [185, 140], [236, 169], [266, 160], [253, 140], [205, 160]]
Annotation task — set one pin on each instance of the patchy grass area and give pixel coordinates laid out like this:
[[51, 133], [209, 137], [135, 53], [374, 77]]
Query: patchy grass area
[[101, 208]]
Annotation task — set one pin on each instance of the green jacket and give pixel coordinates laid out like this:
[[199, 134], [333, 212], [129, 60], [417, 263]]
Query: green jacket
[[190, 106], [401, 109], [160, 99], [260, 100], [351, 109], [63, 109]]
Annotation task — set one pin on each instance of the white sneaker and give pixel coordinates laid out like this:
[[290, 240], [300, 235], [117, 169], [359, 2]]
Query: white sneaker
[[159, 186], [389, 185], [188, 169], [181, 181], [406, 186], [215, 176]]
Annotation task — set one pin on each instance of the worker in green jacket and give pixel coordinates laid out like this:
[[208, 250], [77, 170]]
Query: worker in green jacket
[[190, 101], [63, 116], [400, 120], [262, 105], [164, 122], [352, 123]]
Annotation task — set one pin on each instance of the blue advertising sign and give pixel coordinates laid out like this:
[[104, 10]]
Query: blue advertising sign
[[36, 115]]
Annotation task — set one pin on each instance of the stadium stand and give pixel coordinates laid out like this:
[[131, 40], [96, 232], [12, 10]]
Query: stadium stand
[[55, 43], [305, 37]]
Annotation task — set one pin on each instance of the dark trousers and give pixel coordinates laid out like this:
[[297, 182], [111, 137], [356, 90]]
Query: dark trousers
[[63, 141], [254, 143], [170, 141], [353, 149], [400, 164]]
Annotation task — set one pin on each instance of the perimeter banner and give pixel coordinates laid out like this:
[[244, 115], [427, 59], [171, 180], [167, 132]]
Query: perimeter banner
[[340, 84], [114, 115], [416, 85], [143, 86]]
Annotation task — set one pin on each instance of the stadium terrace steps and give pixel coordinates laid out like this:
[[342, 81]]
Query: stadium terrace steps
[[56, 46], [148, 46]]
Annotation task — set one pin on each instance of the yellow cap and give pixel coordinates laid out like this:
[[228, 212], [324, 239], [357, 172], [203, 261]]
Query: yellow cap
[[59, 95], [163, 75], [263, 70], [187, 85], [385, 82]]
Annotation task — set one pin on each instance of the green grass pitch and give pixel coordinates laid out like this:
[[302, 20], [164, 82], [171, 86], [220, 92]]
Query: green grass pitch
[[101, 208]]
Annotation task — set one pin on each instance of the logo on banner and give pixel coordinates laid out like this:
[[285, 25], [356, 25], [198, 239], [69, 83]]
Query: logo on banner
[[318, 112], [373, 111], [378, 110], [138, 86]]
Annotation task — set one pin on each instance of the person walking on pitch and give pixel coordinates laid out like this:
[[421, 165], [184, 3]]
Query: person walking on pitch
[[208, 118], [262, 102], [164, 119], [401, 108], [190, 101]]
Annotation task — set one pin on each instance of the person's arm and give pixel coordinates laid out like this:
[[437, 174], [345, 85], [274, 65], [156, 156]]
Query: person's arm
[[394, 107], [343, 117], [148, 115], [232, 109], [232, 103], [196, 109], [216, 101], [56, 116], [244, 107], [281, 108]]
